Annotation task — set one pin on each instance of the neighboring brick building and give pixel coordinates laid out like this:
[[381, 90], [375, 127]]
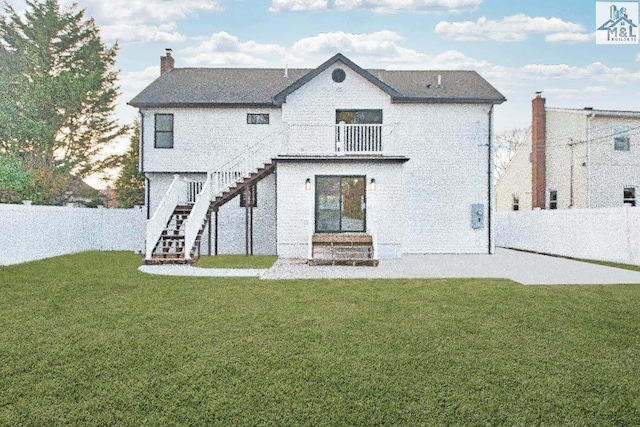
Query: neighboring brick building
[[584, 158], [401, 157]]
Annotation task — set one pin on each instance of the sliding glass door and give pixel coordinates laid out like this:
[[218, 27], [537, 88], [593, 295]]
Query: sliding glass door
[[340, 204]]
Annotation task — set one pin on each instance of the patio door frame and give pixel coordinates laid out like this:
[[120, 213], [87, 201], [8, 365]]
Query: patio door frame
[[341, 203]]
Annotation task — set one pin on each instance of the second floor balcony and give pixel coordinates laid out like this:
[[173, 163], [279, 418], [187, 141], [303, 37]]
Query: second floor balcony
[[359, 138]]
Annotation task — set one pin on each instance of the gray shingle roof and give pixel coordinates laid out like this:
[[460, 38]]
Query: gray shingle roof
[[204, 87]]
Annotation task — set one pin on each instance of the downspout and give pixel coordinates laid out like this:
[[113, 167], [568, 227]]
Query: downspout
[[490, 179], [147, 182], [141, 143], [589, 117], [148, 196]]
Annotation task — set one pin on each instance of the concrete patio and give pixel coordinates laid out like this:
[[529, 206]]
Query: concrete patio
[[522, 267]]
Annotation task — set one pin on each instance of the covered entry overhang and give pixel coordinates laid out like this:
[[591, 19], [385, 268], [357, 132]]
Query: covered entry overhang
[[323, 199]]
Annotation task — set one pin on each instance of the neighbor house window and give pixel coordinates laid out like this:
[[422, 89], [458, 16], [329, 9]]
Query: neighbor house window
[[164, 131], [516, 203], [553, 199], [257, 119], [621, 138], [253, 195], [629, 196]]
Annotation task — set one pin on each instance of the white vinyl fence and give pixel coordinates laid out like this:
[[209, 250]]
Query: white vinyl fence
[[35, 232], [607, 234]]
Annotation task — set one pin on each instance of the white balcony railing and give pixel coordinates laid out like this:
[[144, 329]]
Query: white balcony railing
[[356, 138]]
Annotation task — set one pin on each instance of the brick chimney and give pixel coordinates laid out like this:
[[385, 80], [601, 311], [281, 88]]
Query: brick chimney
[[538, 152], [167, 62]]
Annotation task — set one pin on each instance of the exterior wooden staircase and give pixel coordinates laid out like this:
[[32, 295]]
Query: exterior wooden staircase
[[354, 249], [171, 246]]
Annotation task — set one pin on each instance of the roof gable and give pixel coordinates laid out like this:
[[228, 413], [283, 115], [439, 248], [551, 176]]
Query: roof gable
[[282, 96]]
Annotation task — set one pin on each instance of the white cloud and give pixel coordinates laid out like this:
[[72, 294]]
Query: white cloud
[[140, 33], [511, 29], [383, 49], [136, 11], [134, 81], [569, 37], [595, 71], [381, 43], [297, 5], [223, 49], [567, 93], [377, 6], [141, 21]]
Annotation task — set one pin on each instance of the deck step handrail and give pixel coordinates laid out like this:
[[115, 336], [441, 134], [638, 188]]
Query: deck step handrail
[[197, 216], [157, 223]]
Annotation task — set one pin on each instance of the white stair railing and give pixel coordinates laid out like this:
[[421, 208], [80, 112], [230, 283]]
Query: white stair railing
[[248, 160], [193, 189], [162, 215], [197, 216], [221, 180]]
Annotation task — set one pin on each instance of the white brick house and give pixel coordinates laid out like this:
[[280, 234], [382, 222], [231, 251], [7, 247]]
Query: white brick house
[[579, 158], [394, 161]]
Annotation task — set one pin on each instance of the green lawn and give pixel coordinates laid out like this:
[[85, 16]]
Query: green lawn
[[87, 340]]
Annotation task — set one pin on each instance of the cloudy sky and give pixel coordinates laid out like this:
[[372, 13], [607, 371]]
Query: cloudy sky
[[519, 46]]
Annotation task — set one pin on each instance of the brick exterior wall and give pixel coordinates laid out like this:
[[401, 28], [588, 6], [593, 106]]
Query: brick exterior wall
[[538, 152], [296, 204], [206, 138], [422, 206]]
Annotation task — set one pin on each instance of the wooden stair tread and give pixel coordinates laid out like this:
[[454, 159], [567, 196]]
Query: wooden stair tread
[[344, 238], [355, 262]]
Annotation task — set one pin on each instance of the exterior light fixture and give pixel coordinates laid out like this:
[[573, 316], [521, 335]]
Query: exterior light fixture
[[373, 184], [307, 184]]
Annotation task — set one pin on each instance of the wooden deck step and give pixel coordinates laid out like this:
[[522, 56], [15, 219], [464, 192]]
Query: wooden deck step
[[354, 249], [351, 262]]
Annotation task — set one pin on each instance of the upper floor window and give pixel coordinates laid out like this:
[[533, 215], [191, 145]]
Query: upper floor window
[[163, 131], [621, 138], [360, 117], [258, 119], [629, 196], [553, 199], [516, 203]]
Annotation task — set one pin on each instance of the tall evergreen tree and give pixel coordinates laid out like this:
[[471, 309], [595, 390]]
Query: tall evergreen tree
[[57, 89], [129, 186]]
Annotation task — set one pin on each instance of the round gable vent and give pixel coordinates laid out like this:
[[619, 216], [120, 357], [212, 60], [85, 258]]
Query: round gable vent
[[338, 75]]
